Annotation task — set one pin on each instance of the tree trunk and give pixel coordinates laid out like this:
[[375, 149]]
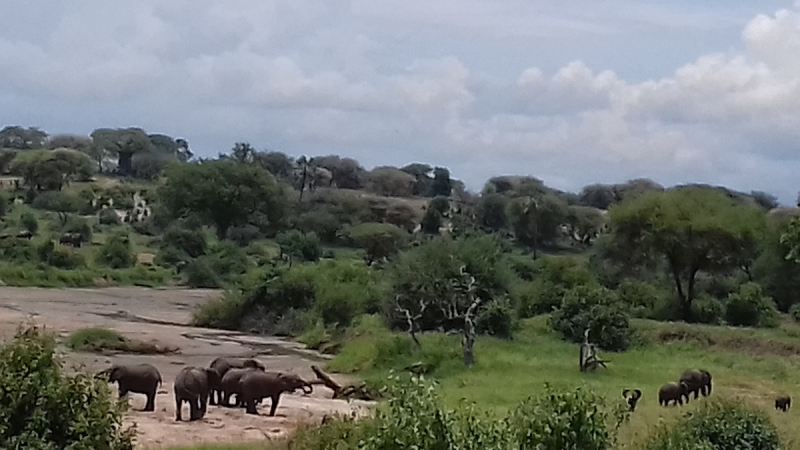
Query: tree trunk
[[469, 342], [124, 163]]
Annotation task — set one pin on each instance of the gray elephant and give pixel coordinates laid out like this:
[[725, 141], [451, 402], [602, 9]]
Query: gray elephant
[[631, 397], [673, 392], [257, 385], [138, 378], [225, 363], [699, 382], [193, 385], [783, 403], [230, 385]]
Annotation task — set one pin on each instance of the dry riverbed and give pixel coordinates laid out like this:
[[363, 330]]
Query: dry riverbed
[[162, 316]]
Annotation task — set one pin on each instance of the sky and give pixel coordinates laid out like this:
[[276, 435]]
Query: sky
[[573, 93]]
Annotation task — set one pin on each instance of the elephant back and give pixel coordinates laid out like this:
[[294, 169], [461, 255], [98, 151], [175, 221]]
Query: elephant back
[[694, 379]]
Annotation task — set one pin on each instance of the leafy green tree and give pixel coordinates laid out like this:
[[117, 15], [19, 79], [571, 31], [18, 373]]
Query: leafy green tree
[[20, 138], [390, 182], [296, 244], [243, 152], [123, 143], [422, 174], [693, 229], [597, 309], [492, 213], [6, 157], [223, 193], [431, 221], [584, 223], [379, 240], [346, 173], [278, 164], [52, 170], [441, 185], [537, 221], [70, 141]]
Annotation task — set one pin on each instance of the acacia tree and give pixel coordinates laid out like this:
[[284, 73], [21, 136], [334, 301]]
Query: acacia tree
[[223, 192], [694, 229]]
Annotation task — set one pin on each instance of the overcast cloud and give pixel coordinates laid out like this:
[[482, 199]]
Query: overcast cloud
[[587, 92]]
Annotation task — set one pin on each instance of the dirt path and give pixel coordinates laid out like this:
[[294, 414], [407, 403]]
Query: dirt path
[[162, 315]]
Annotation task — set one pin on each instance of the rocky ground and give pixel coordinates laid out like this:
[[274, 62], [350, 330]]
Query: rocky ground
[[162, 315]]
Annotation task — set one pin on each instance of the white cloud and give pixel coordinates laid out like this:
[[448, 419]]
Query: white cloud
[[355, 77]]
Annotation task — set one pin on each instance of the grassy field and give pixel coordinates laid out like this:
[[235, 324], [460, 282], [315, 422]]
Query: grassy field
[[751, 364]]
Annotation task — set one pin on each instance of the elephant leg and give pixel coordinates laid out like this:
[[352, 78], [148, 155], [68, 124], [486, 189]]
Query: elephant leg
[[274, 406], [150, 406], [225, 399], [211, 398], [194, 409], [680, 400], [203, 405], [178, 405], [250, 405], [123, 391], [696, 393]]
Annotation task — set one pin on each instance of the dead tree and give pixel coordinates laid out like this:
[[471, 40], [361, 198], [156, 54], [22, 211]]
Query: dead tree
[[412, 319], [463, 307], [588, 357], [360, 392]]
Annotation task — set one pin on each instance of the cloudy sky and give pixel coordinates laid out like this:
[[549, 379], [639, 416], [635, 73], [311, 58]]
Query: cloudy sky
[[571, 92]]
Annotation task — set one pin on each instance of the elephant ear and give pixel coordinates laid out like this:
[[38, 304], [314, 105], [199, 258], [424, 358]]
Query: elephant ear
[[625, 393], [638, 393]]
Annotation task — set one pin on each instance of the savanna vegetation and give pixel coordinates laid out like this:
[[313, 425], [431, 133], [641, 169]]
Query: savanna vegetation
[[399, 269]]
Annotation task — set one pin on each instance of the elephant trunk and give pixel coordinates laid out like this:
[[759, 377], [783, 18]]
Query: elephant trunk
[[310, 388]]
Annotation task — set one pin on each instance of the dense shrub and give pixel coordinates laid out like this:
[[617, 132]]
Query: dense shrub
[[58, 201], [707, 309], [597, 309], [724, 425], [322, 223], [553, 276], [29, 222], [224, 312], [496, 319], [116, 252], [640, 297], [171, 257], [17, 250], [42, 408], [199, 274], [304, 247], [563, 420], [59, 256], [244, 235], [193, 242], [108, 216], [750, 307], [794, 311], [77, 224]]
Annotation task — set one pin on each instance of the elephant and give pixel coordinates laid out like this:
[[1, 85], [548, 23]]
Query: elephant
[[138, 378], [193, 385], [783, 403], [632, 397], [699, 382], [222, 365], [257, 385], [230, 385], [673, 392]]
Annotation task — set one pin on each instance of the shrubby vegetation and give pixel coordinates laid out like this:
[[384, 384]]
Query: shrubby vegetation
[[41, 407]]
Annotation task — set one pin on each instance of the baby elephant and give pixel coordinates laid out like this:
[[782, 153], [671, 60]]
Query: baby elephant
[[632, 397], [138, 378], [257, 385], [230, 385], [783, 403], [193, 385], [673, 392], [225, 363]]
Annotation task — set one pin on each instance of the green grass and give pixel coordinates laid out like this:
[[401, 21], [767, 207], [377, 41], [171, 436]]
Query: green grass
[[507, 372], [101, 340]]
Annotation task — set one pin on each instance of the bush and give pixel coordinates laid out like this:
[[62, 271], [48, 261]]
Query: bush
[[554, 275], [116, 253], [60, 257], [722, 425], [563, 420], [29, 222], [322, 223], [41, 407], [193, 242], [295, 244], [597, 309], [58, 201], [108, 216], [496, 319], [224, 312], [171, 257], [200, 275], [244, 235], [749, 307], [640, 297], [3, 205], [76, 224], [707, 309], [794, 311]]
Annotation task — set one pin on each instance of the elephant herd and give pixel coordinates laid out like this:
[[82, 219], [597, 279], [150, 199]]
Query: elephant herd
[[694, 381], [225, 377]]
